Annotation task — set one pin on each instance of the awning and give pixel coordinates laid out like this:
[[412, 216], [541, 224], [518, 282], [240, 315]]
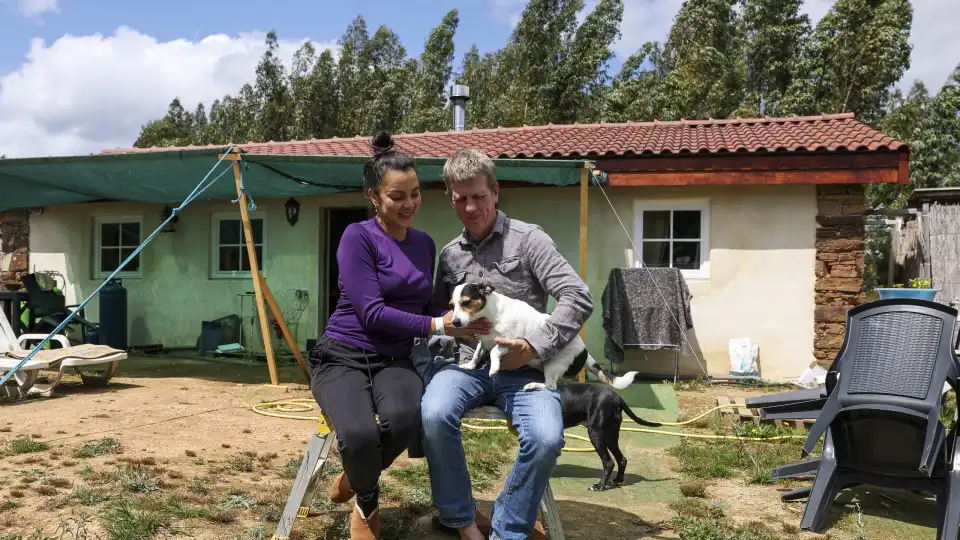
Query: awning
[[168, 177]]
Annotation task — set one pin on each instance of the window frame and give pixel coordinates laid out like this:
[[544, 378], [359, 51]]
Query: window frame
[[675, 205], [215, 219], [98, 222]]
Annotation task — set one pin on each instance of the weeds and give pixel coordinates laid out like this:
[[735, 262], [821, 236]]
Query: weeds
[[98, 448], [290, 469], [122, 521], [24, 445], [257, 532], [242, 463], [695, 488], [85, 495], [138, 479]]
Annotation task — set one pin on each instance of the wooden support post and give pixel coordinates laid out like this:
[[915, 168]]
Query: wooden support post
[[272, 302], [254, 271], [584, 194]]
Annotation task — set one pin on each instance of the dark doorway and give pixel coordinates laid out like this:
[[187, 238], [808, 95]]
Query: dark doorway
[[337, 221]]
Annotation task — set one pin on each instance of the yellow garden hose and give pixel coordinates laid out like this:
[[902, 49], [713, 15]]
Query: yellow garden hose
[[302, 405]]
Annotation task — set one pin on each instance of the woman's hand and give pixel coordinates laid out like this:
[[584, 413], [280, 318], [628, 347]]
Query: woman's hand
[[480, 326]]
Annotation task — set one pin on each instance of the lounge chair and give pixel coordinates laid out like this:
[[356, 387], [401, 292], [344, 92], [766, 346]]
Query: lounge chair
[[76, 357]]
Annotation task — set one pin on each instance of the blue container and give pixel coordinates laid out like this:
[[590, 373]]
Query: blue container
[[897, 292], [113, 315], [209, 337]]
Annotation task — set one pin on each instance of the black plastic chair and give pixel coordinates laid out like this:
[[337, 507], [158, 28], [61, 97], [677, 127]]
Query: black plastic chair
[[48, 308], [881, 419]]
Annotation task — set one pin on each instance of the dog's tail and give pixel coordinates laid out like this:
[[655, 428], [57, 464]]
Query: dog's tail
[[619, 383], [626, 408]]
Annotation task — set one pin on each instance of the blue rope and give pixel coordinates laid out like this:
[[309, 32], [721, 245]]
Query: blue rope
[[251, 206], [193, 195]]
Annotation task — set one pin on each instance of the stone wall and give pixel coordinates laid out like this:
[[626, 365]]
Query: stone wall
[[839, 264], [14, 246]]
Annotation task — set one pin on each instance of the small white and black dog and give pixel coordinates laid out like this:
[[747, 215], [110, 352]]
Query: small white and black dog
[[515, 319]]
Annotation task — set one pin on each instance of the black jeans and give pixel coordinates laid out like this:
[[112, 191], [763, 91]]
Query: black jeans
[[352, 385]]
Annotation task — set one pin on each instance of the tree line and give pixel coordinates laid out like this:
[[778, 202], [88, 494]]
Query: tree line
[[721, 59]]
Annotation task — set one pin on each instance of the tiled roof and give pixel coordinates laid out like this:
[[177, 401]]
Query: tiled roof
[[832, 133]]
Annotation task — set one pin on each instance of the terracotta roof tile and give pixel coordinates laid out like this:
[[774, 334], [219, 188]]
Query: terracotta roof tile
[[832, 133]]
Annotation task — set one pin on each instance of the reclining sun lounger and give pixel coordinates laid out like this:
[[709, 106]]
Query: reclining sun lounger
[[76, 357]]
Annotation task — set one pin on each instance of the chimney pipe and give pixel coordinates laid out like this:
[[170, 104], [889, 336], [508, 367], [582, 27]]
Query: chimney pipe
[[459, 94]]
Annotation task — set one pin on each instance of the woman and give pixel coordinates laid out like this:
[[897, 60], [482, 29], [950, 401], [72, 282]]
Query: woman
[[361, 367]]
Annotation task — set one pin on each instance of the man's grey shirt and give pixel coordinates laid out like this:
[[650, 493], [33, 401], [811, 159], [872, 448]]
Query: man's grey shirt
[[521, 261]]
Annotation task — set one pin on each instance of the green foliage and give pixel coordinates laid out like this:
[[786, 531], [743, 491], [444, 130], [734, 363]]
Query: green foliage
[[100, 447], [23, 445], [721, 59]]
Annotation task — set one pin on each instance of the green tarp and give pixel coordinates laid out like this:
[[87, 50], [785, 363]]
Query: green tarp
[[168, 177]]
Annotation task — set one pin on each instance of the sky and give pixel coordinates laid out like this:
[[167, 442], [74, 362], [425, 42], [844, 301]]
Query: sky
[[79, 76]]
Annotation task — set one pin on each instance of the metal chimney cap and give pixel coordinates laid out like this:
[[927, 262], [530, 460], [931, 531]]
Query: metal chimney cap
[[460, 91]]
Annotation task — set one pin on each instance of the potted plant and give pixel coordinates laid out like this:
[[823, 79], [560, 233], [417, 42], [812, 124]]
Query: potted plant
[[917, 288]]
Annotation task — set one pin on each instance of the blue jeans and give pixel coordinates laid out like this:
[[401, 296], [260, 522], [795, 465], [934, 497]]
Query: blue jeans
[[537, 417]]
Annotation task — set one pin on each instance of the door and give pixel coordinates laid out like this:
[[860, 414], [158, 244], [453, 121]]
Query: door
[[337, 221]]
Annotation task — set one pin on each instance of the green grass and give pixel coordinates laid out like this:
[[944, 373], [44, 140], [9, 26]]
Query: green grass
[[727, 458], [23, 445], [10, 505], [123, 521], [699, 520], [487, 452], [85, 496], [136, 478], [242, 463], [98, 448]]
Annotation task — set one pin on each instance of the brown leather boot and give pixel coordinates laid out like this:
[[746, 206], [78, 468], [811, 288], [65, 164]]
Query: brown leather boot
[[340, 491], [364, 528]]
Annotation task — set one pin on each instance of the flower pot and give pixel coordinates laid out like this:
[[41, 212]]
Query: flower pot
[[896, 292]]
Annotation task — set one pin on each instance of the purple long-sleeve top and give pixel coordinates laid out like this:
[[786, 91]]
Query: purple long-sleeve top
[[386, 287]]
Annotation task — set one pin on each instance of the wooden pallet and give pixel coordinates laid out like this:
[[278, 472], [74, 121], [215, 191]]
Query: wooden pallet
[[745, 414]]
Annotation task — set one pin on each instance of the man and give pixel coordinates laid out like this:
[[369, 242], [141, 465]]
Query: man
[[520, 261]]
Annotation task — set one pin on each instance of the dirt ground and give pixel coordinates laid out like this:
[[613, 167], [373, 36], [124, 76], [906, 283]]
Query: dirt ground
[[181, 434]]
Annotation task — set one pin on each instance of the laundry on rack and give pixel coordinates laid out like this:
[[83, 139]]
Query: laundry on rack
[[645, 308]]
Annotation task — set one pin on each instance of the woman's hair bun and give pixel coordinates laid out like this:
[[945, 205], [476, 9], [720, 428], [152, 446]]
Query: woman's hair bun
[[382, 144]]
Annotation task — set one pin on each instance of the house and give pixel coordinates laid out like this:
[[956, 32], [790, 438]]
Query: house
[[766, 215]]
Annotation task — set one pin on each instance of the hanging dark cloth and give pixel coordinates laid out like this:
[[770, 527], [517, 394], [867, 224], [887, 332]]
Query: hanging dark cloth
[[635, 315]]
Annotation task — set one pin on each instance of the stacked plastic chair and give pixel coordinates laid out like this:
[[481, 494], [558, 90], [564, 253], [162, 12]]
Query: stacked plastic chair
[[879, 413]]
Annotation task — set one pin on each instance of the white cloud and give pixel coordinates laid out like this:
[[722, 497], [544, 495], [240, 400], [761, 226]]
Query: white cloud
[[510, 10], [83, 93], [34, 8], [936, 43]]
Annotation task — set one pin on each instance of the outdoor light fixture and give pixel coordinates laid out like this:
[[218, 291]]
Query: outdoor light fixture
[[164, 215], [293, 211]]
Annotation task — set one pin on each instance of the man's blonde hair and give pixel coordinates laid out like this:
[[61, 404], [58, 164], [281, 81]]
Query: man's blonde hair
[[465, 164]]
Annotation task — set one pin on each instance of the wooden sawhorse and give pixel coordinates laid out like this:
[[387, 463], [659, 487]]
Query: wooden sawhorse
[[305, 484]]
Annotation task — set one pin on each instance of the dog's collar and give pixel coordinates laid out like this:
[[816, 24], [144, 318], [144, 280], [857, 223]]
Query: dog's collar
[[498, 227]]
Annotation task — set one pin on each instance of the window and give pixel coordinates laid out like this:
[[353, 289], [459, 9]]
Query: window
[[230, 257], [674, 234], [116, 239]]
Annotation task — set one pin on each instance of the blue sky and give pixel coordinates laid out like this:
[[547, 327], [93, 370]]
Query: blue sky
[[485, 23], [77, 76]]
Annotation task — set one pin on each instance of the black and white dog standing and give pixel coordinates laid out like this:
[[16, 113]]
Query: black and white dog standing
[[595, 406]]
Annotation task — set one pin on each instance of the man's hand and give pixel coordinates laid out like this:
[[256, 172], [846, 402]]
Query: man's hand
[[470, 332], [519, 352]]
